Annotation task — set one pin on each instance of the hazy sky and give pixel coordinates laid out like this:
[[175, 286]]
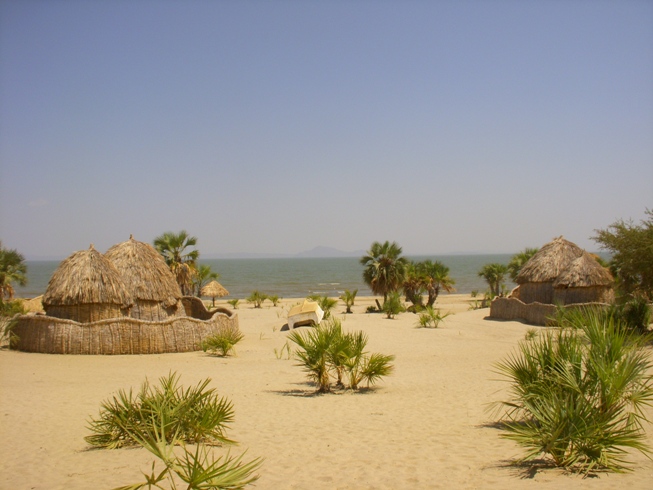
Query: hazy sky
[[277, 126]]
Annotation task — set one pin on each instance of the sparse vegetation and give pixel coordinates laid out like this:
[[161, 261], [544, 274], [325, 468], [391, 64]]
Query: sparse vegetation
[[234, 303], [494, 274], [349, 297], [223, 342], [257, 298], [159, 419], [393, 305], [431, 318], [191, 415], [274, 299], [577, 393], [326, 352]]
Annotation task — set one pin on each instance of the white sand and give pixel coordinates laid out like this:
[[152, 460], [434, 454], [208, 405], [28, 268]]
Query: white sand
[[424, 427]]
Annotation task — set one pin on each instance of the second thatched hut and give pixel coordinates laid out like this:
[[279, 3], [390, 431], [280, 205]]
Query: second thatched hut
[[147, 277]]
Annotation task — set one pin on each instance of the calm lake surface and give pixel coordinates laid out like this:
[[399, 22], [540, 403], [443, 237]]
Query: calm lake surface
[[296, 277]]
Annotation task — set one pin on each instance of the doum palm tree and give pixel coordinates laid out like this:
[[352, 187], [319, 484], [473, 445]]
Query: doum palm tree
[[494, 274], [436, 277], [182, 263], [385, 268], [12, 270]]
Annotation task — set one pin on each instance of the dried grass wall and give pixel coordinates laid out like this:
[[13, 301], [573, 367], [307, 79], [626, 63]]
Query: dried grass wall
[[155, 311], [532, 313], [595, 294], [86, 313], [536, 292], [40, 333]]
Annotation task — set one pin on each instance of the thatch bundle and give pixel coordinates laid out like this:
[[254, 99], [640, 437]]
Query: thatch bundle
[[86, 287], [583, 281], [214, 290], [148, 278]]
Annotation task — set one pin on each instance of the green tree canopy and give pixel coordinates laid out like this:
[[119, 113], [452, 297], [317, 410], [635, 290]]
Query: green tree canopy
[[12, 270], [182, 262], [495, 275], [203, 275], [518, 260], [631, 247], [385, 268]]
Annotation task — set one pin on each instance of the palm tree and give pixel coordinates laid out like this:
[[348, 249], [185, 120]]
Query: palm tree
[[414, 286], [494, 274], [182, 263], [518, 260], [436, 277], [349, 297], [385, 268], [12, 270], [203, 275]]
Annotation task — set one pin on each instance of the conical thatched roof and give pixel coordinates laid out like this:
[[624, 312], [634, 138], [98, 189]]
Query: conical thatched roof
[[214, 290], [584, 272], [86, 277], [144, 272], [549, 262]]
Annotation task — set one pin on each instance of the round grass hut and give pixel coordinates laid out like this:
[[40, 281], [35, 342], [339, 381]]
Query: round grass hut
[[148, 278], [537, 276], [86, 287], [584, 281]]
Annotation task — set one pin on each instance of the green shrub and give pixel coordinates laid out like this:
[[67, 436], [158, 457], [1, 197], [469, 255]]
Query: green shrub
[[393, 305], [327, 352], [431, 317], [223, 341], [191, 415], [257, 298], [234, 303], [349, 297], [577, 393], [274, 298]]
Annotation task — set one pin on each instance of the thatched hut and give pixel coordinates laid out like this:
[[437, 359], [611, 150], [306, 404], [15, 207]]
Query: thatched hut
[[538, 274], [584, 281], [86, 287], [148, 278]]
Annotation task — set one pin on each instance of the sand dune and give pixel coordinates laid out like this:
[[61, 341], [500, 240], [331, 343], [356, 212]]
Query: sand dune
[[424, 427]]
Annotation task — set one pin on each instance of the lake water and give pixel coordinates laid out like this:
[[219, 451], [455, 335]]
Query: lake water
[[296, 277]]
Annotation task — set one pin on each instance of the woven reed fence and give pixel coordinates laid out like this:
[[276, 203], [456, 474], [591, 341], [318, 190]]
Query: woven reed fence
[[41, 333], [532, 313]]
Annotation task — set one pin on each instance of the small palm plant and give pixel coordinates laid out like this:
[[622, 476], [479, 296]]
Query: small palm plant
[[257, 298], [192, 415], [274, 298], [223, 342], [234, 303], [313, 353], [349, 297], [159, 432], [393, 305], [577, 394], [431, 318], [326, 351]]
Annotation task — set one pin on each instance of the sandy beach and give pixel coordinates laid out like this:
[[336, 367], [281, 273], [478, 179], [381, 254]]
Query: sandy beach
[[426, 426]]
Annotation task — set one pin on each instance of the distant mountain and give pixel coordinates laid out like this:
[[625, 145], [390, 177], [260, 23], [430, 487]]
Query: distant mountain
[[321, 251]]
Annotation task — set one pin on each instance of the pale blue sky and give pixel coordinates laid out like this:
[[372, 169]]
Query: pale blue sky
[[447, 126]]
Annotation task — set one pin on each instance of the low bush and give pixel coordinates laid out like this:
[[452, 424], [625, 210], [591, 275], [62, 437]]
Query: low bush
[[577, 393], [257, 298], [326, 352], [190, 415], [430, 318], [223, 342]]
